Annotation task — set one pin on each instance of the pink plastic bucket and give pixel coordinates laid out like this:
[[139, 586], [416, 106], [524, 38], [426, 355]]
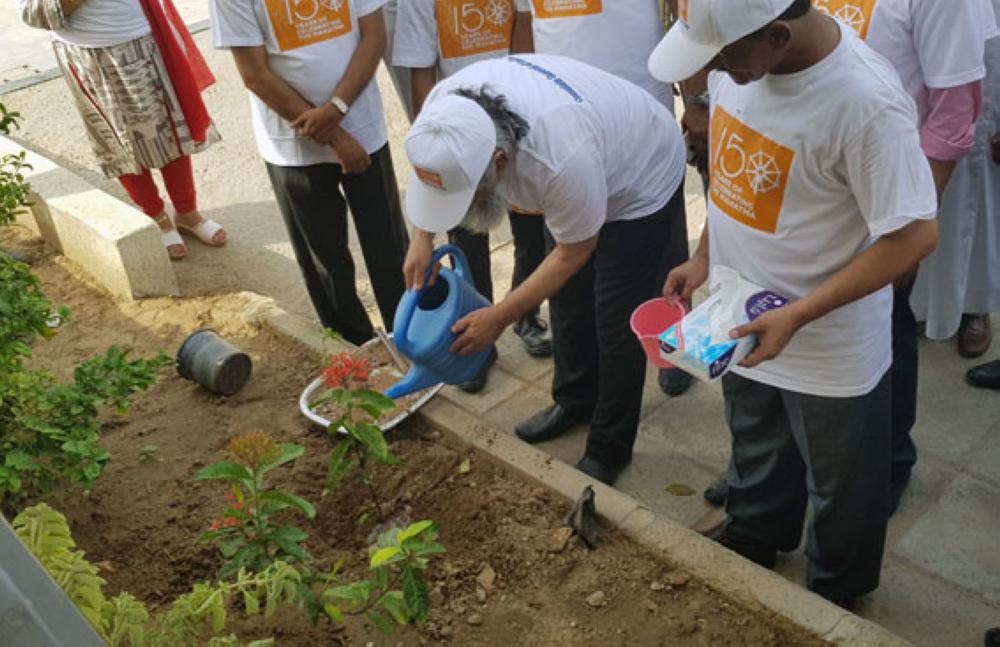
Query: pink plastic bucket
[[649, 320]]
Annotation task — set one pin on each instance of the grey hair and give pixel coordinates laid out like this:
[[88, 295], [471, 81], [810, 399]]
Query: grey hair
[[510, 126]]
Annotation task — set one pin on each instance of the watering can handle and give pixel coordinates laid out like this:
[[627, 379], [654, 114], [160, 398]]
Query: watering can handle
[[461, 265], [461, 268]]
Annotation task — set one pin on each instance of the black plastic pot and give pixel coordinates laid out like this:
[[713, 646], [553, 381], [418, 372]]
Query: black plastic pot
[[214, 363]]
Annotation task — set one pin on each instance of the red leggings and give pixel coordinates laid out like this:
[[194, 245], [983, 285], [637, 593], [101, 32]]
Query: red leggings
[[179, 180]]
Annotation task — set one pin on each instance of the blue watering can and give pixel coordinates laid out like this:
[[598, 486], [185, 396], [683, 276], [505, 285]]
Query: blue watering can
[[422, 328]]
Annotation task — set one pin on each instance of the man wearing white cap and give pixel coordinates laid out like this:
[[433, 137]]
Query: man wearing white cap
[[819, 191], [603, 161]]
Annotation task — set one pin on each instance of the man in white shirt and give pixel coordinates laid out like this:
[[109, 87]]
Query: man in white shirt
[[317, 117], [602, 162], [616, 37], [819, 191], [434, 39]]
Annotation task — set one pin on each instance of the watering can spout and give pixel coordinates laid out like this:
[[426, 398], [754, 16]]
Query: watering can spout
[[417, 379]]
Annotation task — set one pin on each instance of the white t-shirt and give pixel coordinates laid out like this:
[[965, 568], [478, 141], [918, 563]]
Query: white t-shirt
[[931, 43], [615, 35], [309, 46], [807, 170], [104, 23], [598, 149], [451, 34]]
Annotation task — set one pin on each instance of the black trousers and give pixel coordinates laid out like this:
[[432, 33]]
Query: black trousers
[[600, 367], [904, 369], [791, 447], [529, 251], [313, 205]]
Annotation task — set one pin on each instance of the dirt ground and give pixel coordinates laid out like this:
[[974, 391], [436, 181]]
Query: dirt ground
[[141, 521]]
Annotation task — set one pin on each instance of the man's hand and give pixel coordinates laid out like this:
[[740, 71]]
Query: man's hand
[[319, 124], [774, 330], [695, 125], [354, 159], [418, 257], [684, 279], [478, 331]]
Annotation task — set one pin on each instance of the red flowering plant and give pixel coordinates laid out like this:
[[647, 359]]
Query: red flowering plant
[[247, 534], [358, 410]]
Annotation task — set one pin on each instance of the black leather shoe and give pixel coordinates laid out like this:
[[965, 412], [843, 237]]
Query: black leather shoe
[[478, 383], [599, 471], [717, 493], [850, 604], [760, 555], [547, 424], [674, 381], [992, 637], [985, 376], [534, 335]]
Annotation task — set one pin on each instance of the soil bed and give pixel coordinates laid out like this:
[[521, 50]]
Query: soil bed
[[141, 521]]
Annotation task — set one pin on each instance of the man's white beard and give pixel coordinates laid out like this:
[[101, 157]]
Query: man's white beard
[[486, 212]]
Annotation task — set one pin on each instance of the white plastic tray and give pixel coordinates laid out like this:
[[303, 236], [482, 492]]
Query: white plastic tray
[[317, 386]]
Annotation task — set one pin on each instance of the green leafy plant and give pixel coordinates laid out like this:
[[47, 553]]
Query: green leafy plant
[[125, 621], [362, 442], [49, 430], [396, 592], [248, 535], [14, 189]]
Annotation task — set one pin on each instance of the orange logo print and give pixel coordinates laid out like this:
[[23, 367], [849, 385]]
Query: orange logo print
[[566, 8], [298, 23], [748, 173], [856, 14], [467, 27], [429, 177]]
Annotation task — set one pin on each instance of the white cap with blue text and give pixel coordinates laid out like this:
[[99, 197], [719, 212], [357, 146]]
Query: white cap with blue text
[[450, 145], [703, 28]]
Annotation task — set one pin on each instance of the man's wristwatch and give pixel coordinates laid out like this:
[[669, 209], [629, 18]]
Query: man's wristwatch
[[697, 100], [340, 105]]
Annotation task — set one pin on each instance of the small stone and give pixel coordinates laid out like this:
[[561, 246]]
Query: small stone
[[487, 577], [678, 579], [596, 599], [573, 624], [437, 596], [480, 594], [475, 620], [446, 631], [649, 605], [558, 539], [657, 586], [369, 644]]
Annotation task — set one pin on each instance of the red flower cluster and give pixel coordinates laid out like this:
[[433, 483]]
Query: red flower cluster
[[342, 371], [225, 522]]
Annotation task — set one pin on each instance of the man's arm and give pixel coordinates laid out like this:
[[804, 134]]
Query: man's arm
[[522, 39], [892, 256], [480, 329], [949, 129], [252, 65], [320, 124], [422, 80]]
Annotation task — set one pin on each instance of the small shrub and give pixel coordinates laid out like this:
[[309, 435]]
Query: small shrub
[[247, 534], [14, 189]]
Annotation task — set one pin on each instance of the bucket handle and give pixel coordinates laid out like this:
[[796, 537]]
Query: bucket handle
[[461, 268]]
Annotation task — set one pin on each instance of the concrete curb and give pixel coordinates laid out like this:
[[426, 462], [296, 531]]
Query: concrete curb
[[719, 568], [116, 244]]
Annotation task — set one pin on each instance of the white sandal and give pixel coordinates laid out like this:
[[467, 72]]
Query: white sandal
[[171, 238], [204, 231]]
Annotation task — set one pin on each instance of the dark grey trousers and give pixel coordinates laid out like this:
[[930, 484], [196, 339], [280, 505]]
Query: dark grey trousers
[[312, 203], [790, 448], [600, 367]]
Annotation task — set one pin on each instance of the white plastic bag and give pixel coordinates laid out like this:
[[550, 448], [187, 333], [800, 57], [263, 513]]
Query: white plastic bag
[[700, 342]]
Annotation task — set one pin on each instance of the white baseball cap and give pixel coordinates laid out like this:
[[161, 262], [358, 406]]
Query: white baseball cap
[[450, 145], [703, 28]]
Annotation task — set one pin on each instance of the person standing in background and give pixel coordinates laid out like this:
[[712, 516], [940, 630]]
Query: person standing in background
[[136, 78], [400, 76], [435, 39], [318, 120], [616, 37]]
